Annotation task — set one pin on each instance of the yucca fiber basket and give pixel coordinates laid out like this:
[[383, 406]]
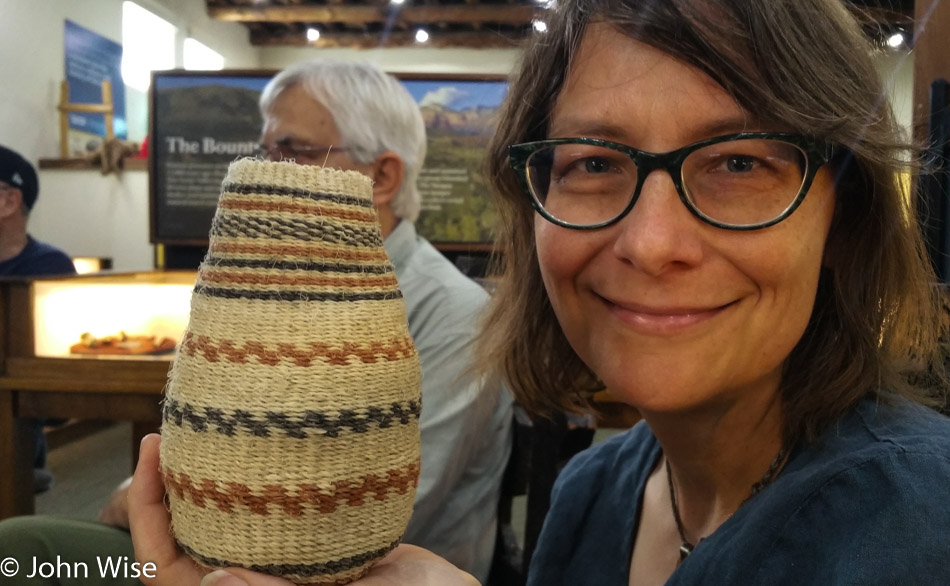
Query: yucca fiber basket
[[290, 440]]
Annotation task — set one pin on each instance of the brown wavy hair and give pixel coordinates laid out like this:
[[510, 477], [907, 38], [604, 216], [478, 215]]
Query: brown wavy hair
[[802, 65]]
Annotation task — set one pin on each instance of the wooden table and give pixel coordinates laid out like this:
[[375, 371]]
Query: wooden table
[[127, 389]]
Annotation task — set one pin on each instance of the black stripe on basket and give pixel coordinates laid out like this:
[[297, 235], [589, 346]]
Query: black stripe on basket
[[319, 267], [229, 423], [302, 570], [291, 295], [247, 226], [264, 189]]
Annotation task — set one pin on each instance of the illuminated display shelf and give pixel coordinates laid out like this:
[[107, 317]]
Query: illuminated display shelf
[[139, 304], [41, 378]]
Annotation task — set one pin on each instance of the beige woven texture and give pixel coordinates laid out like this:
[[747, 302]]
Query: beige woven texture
[[290, 441]]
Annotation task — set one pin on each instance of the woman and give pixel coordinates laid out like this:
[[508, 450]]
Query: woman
[[701, 213], [757, 293]]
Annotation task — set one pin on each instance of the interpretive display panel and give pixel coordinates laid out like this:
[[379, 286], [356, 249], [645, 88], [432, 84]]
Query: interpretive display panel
[[460, 114], [201, 121]]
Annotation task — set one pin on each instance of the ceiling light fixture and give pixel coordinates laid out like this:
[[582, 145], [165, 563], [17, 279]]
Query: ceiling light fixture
[[396, 1], [312, 34], [422, 36]]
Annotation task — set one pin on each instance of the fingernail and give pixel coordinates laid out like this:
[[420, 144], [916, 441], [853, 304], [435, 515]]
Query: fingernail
[[222, 578]]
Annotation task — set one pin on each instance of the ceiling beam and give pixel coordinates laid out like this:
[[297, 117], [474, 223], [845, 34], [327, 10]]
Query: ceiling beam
[[459, 13], [479, 40], [479, 17]]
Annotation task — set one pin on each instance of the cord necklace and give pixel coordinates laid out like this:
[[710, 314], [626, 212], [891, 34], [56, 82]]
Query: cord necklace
[[686, 547]]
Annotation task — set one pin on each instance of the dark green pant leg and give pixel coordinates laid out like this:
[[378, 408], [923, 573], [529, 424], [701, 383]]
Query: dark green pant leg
[[74, 551]]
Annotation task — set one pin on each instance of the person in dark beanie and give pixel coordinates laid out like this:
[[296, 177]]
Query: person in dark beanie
[[21, 255]]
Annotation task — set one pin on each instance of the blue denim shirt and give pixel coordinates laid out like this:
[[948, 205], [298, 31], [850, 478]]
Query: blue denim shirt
[[868, 503]]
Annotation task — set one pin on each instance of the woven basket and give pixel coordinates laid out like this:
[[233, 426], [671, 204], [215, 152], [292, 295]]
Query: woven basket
[[290, 440]]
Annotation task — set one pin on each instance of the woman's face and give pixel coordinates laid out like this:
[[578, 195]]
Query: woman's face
[[670, 312]]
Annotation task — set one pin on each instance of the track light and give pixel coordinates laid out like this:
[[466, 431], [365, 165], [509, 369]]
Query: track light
[[896, 40]]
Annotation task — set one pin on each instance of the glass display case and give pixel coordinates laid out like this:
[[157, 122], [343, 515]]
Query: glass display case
[[89, 347], [109, 317]]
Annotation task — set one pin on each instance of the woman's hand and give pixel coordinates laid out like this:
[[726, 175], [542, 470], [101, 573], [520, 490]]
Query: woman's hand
[[149, 522], [407, 565]]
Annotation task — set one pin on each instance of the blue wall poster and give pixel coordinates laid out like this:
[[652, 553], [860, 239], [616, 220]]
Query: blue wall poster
[[90, 59]]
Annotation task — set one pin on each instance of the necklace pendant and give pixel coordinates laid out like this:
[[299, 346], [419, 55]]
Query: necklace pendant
[[685, 550]]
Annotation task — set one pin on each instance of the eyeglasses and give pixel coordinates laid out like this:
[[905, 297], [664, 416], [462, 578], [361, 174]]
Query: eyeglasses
[[741, 181], [285, 149]]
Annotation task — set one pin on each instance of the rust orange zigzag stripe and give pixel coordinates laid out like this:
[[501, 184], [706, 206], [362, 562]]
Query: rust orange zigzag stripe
[[396, 349], [234, 495]]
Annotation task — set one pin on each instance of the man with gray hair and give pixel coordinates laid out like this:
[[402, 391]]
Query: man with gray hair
[[353, 116]]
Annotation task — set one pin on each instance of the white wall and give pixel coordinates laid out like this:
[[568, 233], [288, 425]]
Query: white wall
[[81, 211], [90, 215], [896, 68], [191, 18]]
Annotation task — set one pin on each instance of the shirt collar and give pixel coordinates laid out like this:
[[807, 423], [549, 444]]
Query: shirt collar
[[400, 244]]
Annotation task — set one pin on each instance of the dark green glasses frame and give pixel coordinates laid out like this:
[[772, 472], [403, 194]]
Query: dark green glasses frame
[[817, 153]]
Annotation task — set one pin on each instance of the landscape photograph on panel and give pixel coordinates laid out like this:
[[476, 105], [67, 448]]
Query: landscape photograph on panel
[[460, 114]]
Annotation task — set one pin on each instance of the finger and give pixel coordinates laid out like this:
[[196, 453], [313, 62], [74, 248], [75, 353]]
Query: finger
[[150, 522], [239, 576], [222, 578], [408, 552], [148, 517], [410, 564]]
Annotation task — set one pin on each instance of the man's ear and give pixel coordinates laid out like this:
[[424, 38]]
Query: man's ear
[[11, 200], [388, 173]]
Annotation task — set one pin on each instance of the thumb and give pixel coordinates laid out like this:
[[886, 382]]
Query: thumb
[[222, 578], [242, 577]]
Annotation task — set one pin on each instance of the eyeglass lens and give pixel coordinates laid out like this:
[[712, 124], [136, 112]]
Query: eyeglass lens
[[738, 182]]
